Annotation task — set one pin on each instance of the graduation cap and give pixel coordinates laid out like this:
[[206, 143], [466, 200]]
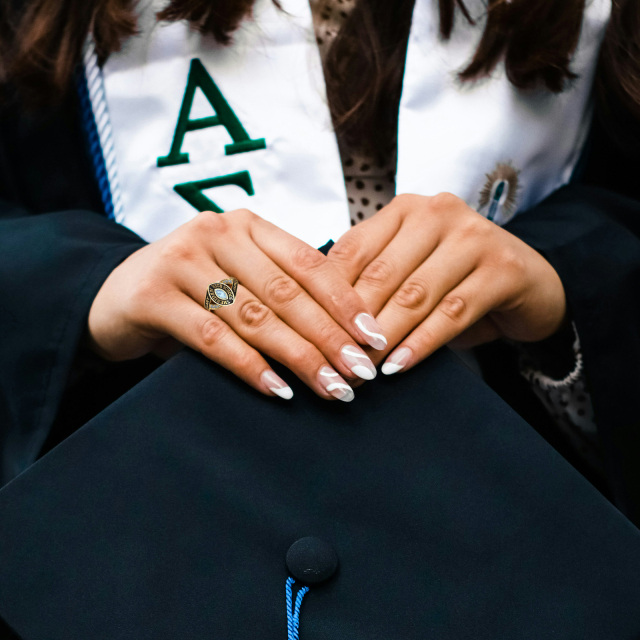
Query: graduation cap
[[195, 507]]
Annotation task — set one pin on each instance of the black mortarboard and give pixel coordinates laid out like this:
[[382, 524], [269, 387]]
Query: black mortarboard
[[196, 508]]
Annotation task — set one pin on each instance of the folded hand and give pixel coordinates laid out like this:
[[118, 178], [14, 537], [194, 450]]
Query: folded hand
[[292, 305], [433, 271]]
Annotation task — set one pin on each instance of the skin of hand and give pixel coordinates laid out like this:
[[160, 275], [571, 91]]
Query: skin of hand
[[434, 271], [291, 304]]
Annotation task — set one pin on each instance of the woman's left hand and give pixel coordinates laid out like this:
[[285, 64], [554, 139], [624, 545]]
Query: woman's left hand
[[434, 271]]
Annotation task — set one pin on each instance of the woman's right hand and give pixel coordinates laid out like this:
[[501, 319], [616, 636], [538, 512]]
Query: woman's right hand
[[291, 304]]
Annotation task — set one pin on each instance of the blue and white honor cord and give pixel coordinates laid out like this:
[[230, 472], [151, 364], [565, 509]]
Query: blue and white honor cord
[[97, 125]]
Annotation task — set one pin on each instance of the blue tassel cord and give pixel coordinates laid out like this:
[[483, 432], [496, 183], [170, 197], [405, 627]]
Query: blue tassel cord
[[293, 610]]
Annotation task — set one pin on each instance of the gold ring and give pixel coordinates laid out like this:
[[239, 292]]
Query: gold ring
[[220, 294]]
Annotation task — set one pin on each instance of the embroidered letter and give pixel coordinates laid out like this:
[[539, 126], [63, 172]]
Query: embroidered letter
[[225, 116], [192, 191]]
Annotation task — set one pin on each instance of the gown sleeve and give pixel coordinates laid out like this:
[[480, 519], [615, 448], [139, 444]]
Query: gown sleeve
[[51, 268], [56, 250], [590, 233], [591, 236], [565, 396]]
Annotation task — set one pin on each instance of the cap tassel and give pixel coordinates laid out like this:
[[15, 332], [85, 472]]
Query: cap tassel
[[293, 611]]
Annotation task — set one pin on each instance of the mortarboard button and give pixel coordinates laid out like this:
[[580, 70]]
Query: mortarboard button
[[312, 560]]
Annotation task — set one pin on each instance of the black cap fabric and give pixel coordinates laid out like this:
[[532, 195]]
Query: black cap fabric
[[311, 560], [173, 514]]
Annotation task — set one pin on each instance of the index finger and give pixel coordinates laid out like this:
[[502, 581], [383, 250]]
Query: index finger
[[360, 245], [321, 280]]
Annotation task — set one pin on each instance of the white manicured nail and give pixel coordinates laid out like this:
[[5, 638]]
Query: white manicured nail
[[371, 331], [397, 360], [358, 361], [275, 383], [335, 385]]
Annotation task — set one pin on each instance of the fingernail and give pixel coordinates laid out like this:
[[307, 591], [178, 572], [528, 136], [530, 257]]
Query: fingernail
[[397, 360], [358, 361], [371, 330], [275, 383], [334, 384]]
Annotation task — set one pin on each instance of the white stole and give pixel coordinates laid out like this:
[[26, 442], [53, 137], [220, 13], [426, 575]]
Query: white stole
[[463, 137], [271, 149]]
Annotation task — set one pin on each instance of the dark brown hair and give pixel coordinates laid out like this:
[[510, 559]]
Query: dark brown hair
[[619, 73], [40, 46]]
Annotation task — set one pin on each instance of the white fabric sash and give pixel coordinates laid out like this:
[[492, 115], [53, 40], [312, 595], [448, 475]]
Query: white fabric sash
[[272, 80], [282, 160], [463, 138]]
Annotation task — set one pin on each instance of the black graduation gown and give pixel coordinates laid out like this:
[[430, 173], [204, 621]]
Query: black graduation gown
[[57, 248], [52, 265]]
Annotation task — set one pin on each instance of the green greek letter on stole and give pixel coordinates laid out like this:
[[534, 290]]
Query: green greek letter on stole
[[225, 116], [192, 191]]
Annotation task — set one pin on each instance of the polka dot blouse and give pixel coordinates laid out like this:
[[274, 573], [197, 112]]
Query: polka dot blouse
[[370, 185]]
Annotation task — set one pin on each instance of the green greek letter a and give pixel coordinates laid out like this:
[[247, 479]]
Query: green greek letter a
[[224, 115], [192, 191]]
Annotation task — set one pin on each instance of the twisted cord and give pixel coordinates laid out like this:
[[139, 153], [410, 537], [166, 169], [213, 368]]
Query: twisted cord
[[290, 633], [293, 611], [97, 124], [296, 613]]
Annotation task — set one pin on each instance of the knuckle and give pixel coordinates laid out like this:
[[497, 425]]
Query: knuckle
[[508, 259], [412, 294], [144, 288], [377, 272], [407, 202], [453, 307], [327, 333], [209, 222], [254, 313], [303, 357], [308, 258], [283, 289], [403, 199], [212, 331], [176, 250], [144, 296], [444, 201], [474, 229], [426, 337], [245, 360], [347, 248], [243, 214]]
